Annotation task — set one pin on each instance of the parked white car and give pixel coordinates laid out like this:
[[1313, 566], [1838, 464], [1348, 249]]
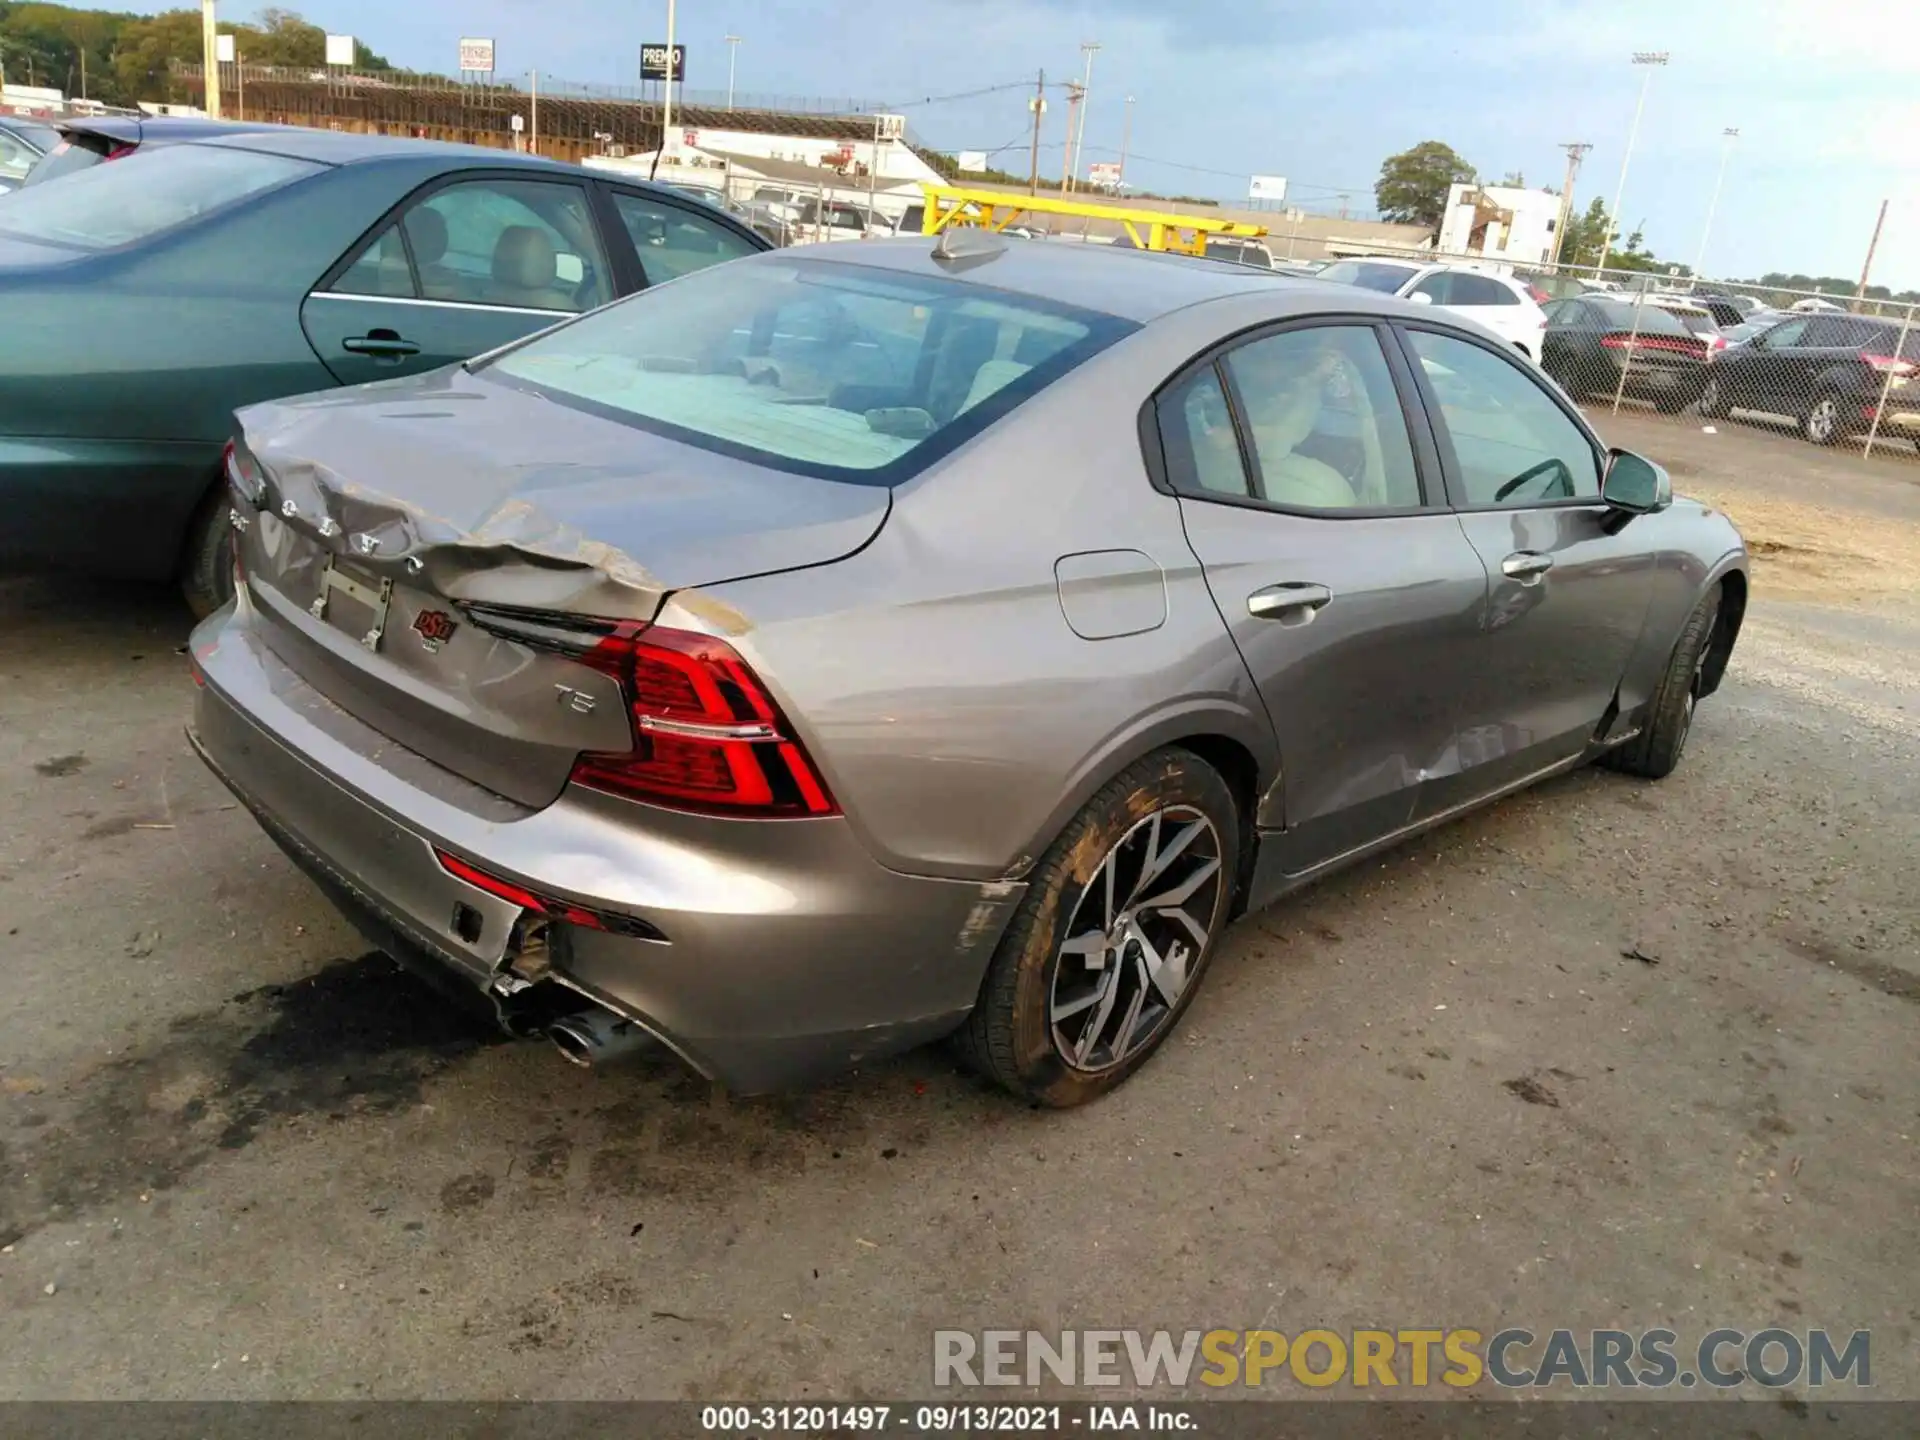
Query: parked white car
[[1506, 307]]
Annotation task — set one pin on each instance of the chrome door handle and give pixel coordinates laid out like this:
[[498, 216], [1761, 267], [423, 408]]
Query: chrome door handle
[[1525, 566], [1291, 598]]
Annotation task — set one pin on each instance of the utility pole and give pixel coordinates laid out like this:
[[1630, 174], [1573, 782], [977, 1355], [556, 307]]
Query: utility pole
[[733, 54], [210, 57], [1038, 104], [1126, 137], [1074, 95], [1652, 59], [1576, 152], [1087, 48], [1867, 269]]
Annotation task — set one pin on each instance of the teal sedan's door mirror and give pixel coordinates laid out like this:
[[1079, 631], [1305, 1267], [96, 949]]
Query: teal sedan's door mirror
[[1634, 485]]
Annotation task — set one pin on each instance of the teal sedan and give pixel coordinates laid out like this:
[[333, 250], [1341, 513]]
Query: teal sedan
[[144, 301]]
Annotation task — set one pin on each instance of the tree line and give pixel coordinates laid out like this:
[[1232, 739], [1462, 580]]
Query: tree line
[[121, 59]]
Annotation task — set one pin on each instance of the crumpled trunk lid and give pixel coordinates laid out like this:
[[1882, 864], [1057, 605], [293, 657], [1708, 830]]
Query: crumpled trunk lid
[[432, 555]]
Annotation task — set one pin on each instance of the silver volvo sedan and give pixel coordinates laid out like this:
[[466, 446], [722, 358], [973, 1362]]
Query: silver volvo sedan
[[827, 652]]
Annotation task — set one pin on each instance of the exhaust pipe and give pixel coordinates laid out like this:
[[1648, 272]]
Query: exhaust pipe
[[597, 1037]]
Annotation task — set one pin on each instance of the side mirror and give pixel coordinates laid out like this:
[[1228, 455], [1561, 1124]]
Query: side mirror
[[1634, 485], [1420, 297]]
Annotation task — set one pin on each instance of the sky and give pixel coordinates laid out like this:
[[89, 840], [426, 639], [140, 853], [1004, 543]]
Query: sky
[[1824, 94]]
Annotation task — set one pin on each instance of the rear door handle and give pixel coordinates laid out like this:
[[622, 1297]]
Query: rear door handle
[[381, 344], [1297, 599], [1526, 566]]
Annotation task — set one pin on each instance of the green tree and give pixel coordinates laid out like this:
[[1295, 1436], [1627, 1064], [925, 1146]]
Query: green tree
[[1412, 188]]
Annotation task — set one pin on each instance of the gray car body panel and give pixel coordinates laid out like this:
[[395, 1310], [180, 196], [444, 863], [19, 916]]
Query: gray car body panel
[[967, 659]]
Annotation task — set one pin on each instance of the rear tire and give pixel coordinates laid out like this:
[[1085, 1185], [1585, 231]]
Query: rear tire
[[1073, 961], [1823, 423], [1656, 750], [206, 559]]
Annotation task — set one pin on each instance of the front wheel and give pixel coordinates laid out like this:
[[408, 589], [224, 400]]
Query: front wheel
[[1656, 750], [1823, 423], [1713, 404], [1107, 950], [206, 559]]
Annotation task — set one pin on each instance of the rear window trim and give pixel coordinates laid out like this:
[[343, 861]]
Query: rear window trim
[[1105, 331]]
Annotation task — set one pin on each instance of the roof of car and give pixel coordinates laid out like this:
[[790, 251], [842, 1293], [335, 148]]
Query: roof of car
[[1139, 285], [337, 147]]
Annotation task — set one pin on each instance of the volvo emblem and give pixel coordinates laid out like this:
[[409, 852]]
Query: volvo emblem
[[435, 627]]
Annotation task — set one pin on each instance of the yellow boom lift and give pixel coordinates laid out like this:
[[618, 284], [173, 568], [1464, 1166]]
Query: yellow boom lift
[[949, 206]]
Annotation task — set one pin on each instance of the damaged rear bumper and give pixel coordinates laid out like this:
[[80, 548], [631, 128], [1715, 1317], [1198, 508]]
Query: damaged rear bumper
[[785, 952]]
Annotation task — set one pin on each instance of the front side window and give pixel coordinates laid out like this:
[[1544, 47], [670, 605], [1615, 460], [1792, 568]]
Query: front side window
[[1512, 443], [672, 242], [807, 365], [147, 193], [523, 244], [1323, 420]]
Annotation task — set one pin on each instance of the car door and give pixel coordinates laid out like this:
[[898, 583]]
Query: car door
[[1320, 523], [1761, 375], [668, 240], [1567, 586], [1562, 352], [467, 264]]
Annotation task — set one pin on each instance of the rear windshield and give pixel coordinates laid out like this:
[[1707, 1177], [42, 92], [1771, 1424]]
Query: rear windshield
[[1650, 319], [144, 194], [1367, 276], [70, 153], [822, 368]]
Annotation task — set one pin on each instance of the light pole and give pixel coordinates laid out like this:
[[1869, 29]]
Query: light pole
[[733, 53], [666, 114], [1126, 137], [210, 57], [1650, 59], [1087, 47], [1729, 135]]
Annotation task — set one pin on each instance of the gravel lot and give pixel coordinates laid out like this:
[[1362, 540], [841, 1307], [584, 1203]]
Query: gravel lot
[[240, 1157]]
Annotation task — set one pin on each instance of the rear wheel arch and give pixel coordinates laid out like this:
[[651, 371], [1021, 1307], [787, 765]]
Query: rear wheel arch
[[1238, 745]]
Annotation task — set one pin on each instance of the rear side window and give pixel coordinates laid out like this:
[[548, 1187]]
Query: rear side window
[[1368, 275], [144, 195], [806, 365], [671, 241], [1648, 319]]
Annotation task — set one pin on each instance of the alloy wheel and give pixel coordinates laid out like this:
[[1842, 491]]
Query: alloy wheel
[[1137, 933]]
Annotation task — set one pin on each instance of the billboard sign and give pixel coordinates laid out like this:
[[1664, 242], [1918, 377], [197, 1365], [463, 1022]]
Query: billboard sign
[[476, 56], [653, 62], [972, 161], [1106, 172], [223, 51], [1268, 187], [339, 50]]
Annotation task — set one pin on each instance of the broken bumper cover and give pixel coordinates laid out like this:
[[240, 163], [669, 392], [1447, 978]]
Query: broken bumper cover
[[786, 954]]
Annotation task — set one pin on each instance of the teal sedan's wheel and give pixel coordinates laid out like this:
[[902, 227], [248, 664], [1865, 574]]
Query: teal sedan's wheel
[[206, 559]]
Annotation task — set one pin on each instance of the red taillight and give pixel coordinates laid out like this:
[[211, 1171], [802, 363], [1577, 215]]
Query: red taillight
[[1696, 348], [1717, 343], [1537, 295], [707, 736], [118, 151], [1888, 365]]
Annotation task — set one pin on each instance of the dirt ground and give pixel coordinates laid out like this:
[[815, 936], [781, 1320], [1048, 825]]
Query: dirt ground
[[1610, 1054]]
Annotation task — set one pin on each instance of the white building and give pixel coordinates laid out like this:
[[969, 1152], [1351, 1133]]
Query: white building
[[730, 159], [1501, 222]]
